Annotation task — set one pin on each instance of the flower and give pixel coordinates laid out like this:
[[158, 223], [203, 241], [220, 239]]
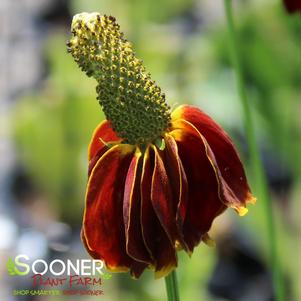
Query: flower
[[292, 6], [156, 179]]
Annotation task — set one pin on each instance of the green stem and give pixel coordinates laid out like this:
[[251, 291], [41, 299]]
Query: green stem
[[171, 285], [258, 170]]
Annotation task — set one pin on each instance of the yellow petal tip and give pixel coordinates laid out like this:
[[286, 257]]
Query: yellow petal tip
[[242, 211], [252, 200]]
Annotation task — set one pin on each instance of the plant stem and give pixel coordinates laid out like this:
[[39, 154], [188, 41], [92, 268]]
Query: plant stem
[[258, 170], [171, 285]]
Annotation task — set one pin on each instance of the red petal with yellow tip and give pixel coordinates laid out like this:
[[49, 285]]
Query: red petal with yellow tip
[[135, 246], [204, 203], [156, 240], [102, 136], [178, 180], [136, 267], [164, 203], [103, 217], [226, 156], [227, 196]]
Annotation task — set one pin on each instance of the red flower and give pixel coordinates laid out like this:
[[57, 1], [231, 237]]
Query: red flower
[[292, 6], [156, 180], [142, 205]]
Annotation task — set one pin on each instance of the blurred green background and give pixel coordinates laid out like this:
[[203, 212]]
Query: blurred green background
[[183, 43]]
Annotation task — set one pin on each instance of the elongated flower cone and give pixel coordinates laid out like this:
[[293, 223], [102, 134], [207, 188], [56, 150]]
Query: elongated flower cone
[[156, 179]]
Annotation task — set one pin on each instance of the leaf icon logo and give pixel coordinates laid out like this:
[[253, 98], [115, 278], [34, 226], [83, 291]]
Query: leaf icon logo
[[10, 267]]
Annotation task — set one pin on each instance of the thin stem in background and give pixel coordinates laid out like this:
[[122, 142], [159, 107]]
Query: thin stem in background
[[258, 170], [171, 285]]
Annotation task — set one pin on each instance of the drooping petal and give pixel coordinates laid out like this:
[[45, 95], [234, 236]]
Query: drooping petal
[[226, 156], [178, 180], [101, 137], [135, 246], [204, 203], [226, 194], [155, 238], [164, 203], [103, 225]]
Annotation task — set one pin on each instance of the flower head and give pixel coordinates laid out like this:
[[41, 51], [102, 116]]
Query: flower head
[[157, 179], [292, 6]]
